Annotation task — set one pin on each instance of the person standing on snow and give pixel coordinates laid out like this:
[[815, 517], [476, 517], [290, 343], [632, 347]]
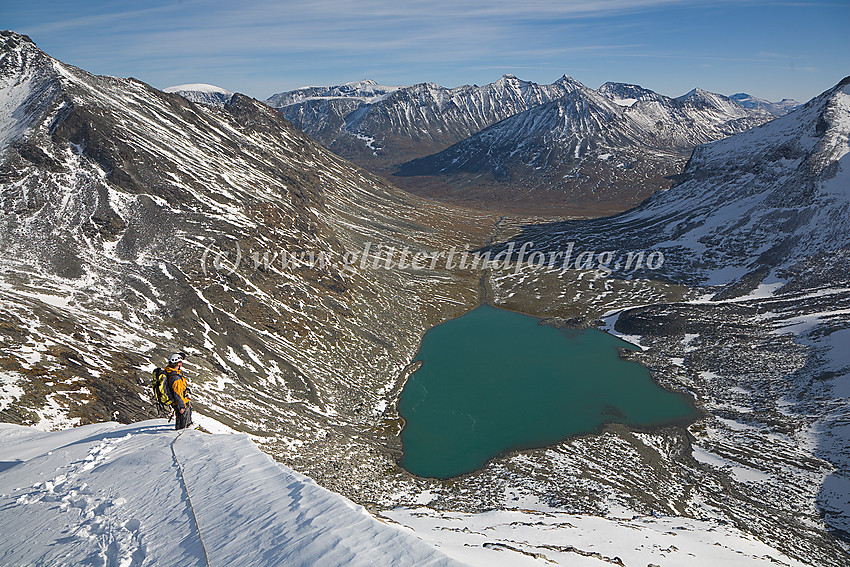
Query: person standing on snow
[[178, 392]]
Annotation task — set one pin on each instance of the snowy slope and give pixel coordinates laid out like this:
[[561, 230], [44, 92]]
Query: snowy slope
[[201, 93], [529, 538], [142, 494]]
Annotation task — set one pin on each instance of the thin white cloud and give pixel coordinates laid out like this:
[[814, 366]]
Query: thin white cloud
[[696, 57], [101, 21]]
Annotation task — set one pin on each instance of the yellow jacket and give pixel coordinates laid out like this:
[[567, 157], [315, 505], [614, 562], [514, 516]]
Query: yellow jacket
[[176, 387]]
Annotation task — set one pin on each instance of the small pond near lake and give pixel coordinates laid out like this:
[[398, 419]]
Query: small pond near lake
[[493, 381]]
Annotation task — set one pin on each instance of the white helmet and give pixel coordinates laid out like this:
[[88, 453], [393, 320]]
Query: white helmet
[[175, 358]]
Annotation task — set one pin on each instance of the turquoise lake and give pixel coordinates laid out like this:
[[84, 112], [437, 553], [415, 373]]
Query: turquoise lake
[[493, 381]]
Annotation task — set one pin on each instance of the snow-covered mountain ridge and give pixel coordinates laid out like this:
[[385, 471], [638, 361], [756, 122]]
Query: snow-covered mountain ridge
[[144, 494], [618, 145]]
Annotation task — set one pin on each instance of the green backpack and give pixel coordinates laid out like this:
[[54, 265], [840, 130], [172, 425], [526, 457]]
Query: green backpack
[[158, 386]]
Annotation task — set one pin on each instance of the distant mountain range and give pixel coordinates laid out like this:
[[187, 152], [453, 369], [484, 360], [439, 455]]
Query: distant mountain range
[[379, 127], [515, 142], [780, 108], [604, 148]]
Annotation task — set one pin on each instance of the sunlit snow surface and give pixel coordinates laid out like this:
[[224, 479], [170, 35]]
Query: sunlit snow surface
[[523, 537], [142, 494]]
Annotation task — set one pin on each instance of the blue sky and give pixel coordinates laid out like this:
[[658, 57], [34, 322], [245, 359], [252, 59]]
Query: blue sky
[[769, 49]]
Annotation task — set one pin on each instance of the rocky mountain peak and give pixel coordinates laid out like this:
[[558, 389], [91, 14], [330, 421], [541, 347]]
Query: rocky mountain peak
[[29, 85], [10, 40], [627, 94]]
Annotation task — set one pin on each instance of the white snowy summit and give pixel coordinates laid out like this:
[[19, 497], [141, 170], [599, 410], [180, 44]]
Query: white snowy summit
[[202, 93]]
